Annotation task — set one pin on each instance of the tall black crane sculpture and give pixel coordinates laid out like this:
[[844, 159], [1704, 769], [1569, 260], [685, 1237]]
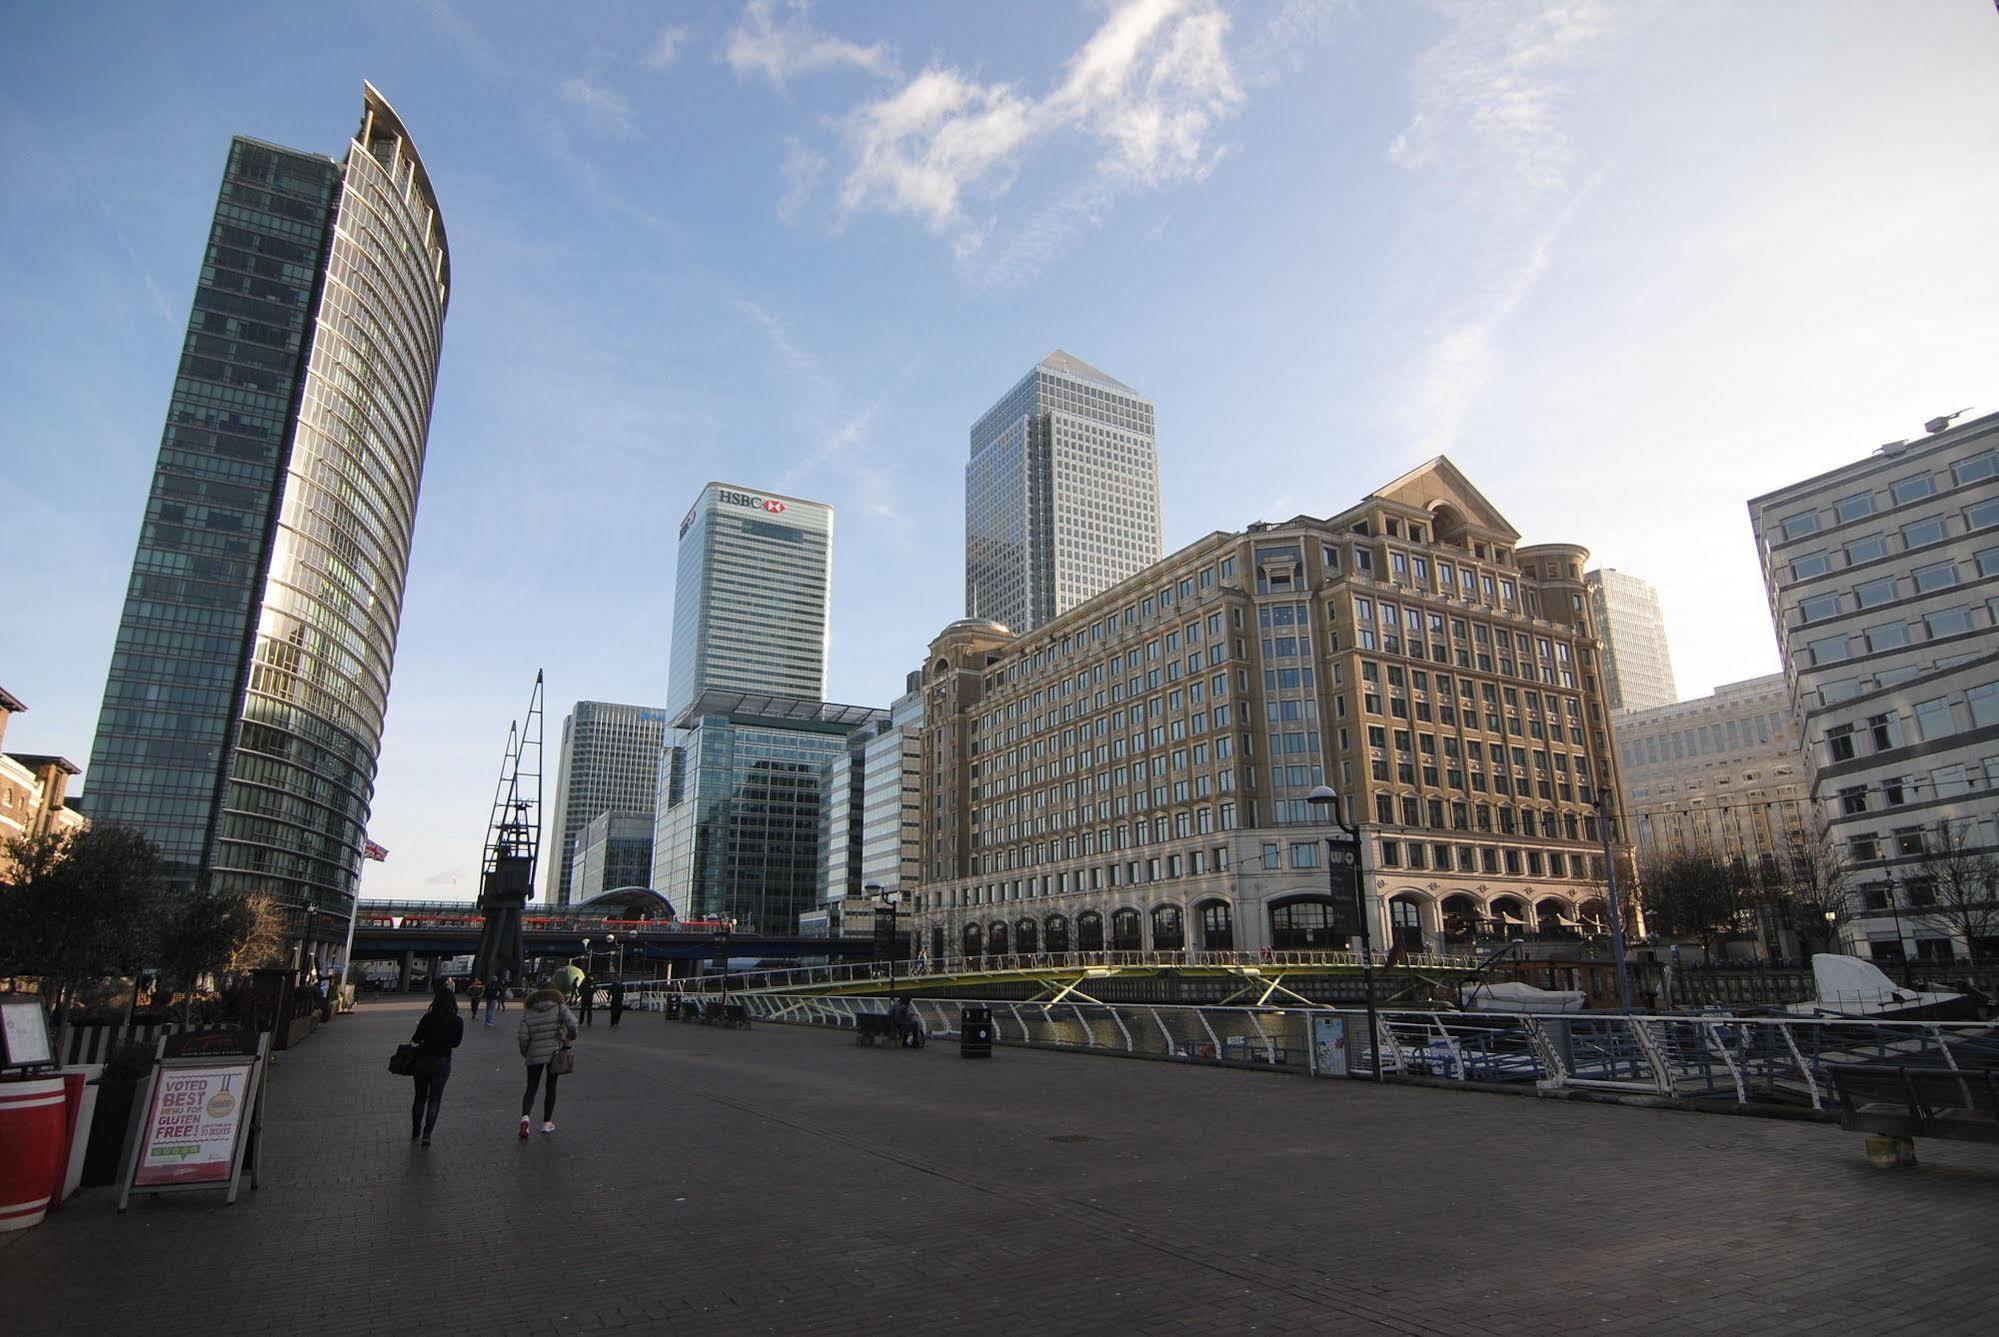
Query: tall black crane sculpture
[[513, 838]]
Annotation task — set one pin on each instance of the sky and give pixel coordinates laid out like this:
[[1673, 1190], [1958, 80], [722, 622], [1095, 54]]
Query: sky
[[1628, 264]]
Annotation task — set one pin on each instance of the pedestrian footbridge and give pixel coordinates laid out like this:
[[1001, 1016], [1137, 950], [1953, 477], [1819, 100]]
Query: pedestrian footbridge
[[1248, 978]]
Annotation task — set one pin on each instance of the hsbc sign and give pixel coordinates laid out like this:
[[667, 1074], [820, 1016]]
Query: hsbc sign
[[771, 504], [729, 497]]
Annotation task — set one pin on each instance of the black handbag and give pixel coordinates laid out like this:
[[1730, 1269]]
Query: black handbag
[[403, 1062]]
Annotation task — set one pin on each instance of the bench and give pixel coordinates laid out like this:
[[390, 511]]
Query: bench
[[1894, 1105]]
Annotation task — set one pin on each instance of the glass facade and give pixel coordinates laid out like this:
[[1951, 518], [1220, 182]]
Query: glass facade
[[750, 594], [243, 711], [738, 831], [1061, 494]]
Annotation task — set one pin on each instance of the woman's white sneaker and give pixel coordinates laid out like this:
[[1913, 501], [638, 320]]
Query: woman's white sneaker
[[548, 1128]]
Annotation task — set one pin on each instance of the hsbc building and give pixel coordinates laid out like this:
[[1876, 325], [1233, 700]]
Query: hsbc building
[[750, 594]]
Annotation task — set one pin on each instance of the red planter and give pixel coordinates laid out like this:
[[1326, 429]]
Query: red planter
[[34, 1122]]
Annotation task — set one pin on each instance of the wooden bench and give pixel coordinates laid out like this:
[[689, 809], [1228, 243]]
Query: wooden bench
[[1894, 1105]]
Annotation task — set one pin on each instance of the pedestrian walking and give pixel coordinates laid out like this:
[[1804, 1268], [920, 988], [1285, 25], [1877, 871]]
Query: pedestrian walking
[[617, 1002], [588, 992], [505, 983], [547, 1027], [476, 991], [438, 1032]]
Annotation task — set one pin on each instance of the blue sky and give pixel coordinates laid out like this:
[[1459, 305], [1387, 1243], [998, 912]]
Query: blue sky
[[1628, 263]]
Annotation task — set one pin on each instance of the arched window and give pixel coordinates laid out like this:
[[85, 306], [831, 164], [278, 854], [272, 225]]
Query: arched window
[[1405, 918], [1168, 933], [1026, 938], [974, 940], [1461, 918], [1595, 916], [1548, 918], [1305, 921], [1124, 931], [1217, 926], [996, 939], [1510, 915], [1057, 933], [1089, 932]]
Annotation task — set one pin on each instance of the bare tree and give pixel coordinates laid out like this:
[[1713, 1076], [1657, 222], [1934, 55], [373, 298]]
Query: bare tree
[[1693, 895], [1953, 886], [1813, 888]]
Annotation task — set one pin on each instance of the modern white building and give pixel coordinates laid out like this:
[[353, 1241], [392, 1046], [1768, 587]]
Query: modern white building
[[1061, 494], [871, 813], [1721, 775], [1883, 579], [1638, 664], [609, 764], [750, 593]]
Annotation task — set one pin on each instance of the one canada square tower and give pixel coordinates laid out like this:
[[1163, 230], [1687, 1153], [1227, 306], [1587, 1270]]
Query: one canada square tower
[[242, 716]]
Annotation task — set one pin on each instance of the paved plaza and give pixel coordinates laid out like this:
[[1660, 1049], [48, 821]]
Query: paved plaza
[[783, 1180]]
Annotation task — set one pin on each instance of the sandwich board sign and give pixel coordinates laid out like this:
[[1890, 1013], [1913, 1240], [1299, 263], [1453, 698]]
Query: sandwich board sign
[[203, 1118]]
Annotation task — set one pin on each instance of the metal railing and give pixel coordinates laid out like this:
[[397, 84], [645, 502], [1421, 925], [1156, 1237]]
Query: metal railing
[[1019, 962], [1736, 1060]]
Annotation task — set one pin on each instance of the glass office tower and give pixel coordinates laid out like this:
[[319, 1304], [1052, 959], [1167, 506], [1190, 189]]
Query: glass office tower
[[1061, 494], [753, 578], [242, 715], [736, 832], [610, 755]]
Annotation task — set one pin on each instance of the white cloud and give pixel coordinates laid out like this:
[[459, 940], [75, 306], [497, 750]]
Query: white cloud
[[1148, 88], [666, 47], [1487, 137], [802, 170], [606, 110], [918, 149], [1488, 97], [778, 49]]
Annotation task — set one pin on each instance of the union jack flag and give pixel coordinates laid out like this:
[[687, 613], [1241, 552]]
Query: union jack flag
[[371, 850]]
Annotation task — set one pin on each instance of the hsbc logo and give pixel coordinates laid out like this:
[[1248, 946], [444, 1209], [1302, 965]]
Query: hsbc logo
[[769, 504]]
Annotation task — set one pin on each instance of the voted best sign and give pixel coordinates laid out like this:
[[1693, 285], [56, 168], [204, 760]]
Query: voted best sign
[[192, 1128]]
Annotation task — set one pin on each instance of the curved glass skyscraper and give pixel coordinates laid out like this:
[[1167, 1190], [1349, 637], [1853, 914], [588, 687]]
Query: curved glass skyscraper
[[243, 713]]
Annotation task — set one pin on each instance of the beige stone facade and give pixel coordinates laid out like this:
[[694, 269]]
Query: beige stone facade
[[1134, 774], [1722, 775]]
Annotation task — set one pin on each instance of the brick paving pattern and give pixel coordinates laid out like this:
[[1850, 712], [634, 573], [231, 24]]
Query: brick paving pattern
[[783, 1180]]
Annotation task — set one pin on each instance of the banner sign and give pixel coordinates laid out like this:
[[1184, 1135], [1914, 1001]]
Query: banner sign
[[204, 1119], [1329, 1045], [1343, 857]]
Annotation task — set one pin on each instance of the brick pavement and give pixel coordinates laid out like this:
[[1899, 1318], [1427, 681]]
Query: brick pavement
[[785, 1181]]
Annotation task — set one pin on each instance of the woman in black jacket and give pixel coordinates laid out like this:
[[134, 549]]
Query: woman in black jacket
[[437, 1034]]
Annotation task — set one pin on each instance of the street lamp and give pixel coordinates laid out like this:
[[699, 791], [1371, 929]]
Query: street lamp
[[586, 958], [1328, 803], [884, 926], [1601, 802]]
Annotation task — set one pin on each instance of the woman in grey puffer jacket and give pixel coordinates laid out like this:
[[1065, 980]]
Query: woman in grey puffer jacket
[[546, 1026]]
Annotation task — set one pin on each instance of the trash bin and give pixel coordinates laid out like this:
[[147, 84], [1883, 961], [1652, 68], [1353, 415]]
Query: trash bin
[[975, 1031]]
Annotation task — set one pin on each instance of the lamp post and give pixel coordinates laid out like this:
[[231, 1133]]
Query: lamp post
[[586, 958], [1601, 802], [1327, 802], [884, 926]]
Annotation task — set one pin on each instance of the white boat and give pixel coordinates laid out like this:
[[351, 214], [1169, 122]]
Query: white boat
[[1517, 996], [1847, 986]]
